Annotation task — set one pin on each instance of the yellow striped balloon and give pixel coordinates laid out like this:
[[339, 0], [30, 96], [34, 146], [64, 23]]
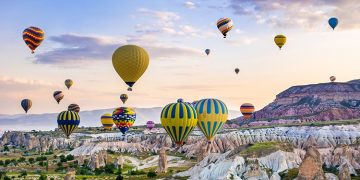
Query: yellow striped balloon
[[178, 119], [130, 62], [280, 40], [247, 109], [107, 121], [212, 115], [68, 121]]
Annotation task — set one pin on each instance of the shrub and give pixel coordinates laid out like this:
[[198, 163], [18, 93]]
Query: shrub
[[70, 157], [42, 177], [136, 172], [151, 174], [119, 177]]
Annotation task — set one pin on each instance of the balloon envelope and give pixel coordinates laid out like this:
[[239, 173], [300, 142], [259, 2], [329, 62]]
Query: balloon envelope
[[69, 83], [58, 96], [150, 124], [178, 119], [124, 98], [130, 62], [247, 109], [207, 51], [332, 78], [68, 121], [33, 36], [74, 107], [333, 22], [224, 25], [280, 40], [124, 118], [107, 121], [26, 104], [212, 115]]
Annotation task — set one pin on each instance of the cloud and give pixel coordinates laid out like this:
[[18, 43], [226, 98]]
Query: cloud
[[306, 14], [76, 49], [189, 5], [242, 41], [167, 23], [6, 81]]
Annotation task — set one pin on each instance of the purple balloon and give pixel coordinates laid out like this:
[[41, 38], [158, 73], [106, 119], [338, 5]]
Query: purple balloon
[[150, 124]]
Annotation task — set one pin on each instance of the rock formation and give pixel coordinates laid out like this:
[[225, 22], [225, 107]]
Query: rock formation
[[311, 167], [315, 102], [344, 172], [70, 174], [119, 161], [98, 160], [162, 165], [203, 152]]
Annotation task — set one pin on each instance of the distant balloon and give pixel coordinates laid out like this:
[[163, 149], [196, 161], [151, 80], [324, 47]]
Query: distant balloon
[[107, 121], [224, 25], [68, 121], [124, 118], [247, 109], [333, 22], [178, 119], [26, 104], [130, 62], [69, 83], [74, 107], [212, 115], [332, 78], [124, 98], [150, 124], [33, 37], [58, 95], [237, 70], [280, 40], [207, 51]]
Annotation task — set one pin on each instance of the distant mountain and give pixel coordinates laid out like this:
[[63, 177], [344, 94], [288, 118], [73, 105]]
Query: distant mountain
[[88, 118], [315, 102]]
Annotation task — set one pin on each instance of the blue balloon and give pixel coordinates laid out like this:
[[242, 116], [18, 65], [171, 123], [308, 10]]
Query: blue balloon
[[333, 22]]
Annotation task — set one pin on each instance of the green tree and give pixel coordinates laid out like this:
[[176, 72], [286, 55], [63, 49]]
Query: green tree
[[119, 171], [7, 178], [42, 177], [119, 177], [7, 162], [23, 174], [31, 160], [70, 157], [2, 174], [151, 174], [1, 163], [6, 148]]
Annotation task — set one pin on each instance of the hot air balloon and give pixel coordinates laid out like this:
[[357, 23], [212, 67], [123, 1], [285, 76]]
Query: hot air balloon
[[69, 83], [124, 98], [178, 119], [224, 25], [74, 107], [280, 40], [247, 110], [237, 70], [150, 124], [33, 37], [26, 104], [207, 51], [130, 62], [107, 121], [124, 118], [333, 22], [212, 115], [332, 78], [68, 121], [58, 95]]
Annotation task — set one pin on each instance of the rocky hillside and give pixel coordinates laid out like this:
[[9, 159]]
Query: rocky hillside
[[315, 102]]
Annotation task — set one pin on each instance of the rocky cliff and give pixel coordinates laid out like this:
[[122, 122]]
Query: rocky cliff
[[315, 102]]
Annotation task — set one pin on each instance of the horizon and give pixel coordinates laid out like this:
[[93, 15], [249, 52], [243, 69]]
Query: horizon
[[79, 44]]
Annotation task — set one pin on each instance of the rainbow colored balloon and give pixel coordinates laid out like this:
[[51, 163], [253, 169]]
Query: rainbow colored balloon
[[124, 118]]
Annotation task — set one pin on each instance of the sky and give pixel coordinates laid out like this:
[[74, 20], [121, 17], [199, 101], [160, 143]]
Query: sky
[[82, 35]]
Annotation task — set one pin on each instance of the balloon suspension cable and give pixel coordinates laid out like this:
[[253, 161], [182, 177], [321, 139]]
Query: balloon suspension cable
[[32, 51], [129, 89]]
